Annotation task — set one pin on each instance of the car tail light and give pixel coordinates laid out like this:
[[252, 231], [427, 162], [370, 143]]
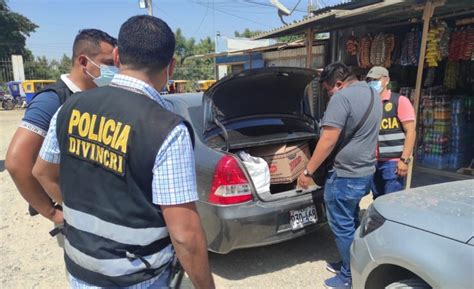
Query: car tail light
[[230, 185], [372, 221]]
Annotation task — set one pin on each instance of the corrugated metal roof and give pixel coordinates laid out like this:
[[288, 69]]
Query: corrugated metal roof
[[371, 13], [346, 6], [277, 46], [325, 14]]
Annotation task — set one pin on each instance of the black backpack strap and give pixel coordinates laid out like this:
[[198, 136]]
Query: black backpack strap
[[59, 88]]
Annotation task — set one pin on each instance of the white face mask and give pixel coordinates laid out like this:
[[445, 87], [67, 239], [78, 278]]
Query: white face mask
[[107, 72], [165, 87]]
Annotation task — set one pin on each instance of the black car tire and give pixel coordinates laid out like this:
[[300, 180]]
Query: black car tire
[[413, 283]]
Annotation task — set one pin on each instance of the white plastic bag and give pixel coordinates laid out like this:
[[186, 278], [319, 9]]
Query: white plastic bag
[[258, 170]]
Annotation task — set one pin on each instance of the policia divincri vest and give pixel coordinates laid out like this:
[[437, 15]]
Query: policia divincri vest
[[109, 138], [391, 135]]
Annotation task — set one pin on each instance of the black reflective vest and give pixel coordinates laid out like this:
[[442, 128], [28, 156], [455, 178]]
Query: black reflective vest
[[391, 135], [109, 138], [59, 88]]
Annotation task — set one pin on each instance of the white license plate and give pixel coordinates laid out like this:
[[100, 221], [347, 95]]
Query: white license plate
[[303, 217]]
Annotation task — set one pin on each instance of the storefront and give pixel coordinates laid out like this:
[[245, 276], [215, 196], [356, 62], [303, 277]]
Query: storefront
[[400, 35]]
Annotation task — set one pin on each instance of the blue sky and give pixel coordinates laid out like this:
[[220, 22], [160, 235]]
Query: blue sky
[[59, 20]]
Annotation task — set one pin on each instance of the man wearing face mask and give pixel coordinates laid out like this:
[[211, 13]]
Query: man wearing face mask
[[92, 65], [350, 126], [396, 138], [122, 163]]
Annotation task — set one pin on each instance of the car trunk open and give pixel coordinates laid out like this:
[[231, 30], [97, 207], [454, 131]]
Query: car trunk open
[[257, 92], [258, 108]]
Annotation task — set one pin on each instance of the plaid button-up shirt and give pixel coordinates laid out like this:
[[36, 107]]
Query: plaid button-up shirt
[[174, 175]]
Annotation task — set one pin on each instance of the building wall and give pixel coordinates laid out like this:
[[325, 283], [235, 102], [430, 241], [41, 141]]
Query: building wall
[[294, 57]]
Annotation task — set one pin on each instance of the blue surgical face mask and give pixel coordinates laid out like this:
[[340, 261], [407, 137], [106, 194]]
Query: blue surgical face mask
[[107, 72], [377, 85]]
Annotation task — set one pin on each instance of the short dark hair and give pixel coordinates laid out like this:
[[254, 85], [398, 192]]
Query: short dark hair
[[146, 43], [335, 72], [88, 41]]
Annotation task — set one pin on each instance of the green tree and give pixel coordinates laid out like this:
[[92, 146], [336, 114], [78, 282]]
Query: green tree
[[247, 33], [14, 28], [193, 68], [65, 64], [184, 47], [42, 68], [38, 68]]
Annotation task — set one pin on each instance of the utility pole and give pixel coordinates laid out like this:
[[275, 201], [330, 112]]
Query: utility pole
[[146, 4], [150, 7]]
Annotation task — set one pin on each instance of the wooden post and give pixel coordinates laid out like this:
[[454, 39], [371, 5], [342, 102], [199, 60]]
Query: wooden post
[[309, 64], [427, 14], [309, 48]]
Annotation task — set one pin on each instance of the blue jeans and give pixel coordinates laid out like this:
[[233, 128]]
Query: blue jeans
[[386, 180], [342, 197]]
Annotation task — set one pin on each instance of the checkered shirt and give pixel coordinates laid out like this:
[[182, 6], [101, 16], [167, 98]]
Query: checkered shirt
[[174, 175]]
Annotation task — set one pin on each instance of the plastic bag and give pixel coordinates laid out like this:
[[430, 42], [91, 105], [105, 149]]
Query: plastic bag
[[258, 170]]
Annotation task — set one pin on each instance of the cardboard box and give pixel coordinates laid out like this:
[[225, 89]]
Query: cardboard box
[[286, 161]]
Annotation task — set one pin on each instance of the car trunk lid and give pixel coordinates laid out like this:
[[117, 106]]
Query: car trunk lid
[[257, 92]]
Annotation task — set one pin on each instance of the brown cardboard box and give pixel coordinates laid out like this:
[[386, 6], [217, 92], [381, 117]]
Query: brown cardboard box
[[286, 162]]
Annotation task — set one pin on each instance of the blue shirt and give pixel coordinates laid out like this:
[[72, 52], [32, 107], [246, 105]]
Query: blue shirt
[[174, 175], [42, 108], [39, 112]]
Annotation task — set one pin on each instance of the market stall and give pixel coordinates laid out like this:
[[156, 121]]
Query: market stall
[[428, 49], [446, 121]]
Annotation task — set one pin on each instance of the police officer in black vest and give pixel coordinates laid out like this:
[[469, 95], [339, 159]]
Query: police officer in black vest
[[91, 56], [122, 164], [396, 137]]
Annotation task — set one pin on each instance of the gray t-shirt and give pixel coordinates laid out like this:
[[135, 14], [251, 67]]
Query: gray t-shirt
[[345, 110]]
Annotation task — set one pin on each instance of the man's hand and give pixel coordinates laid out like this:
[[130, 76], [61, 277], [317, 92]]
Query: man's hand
[[304, 181], [326, 143], [189, 241], [402, 169], [57, 217]]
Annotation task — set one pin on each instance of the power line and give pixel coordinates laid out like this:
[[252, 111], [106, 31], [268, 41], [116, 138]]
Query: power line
[[266, 4], [202, 20], [231, 14]]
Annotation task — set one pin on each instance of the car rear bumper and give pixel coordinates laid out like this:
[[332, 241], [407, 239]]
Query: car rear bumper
[[256, 223]]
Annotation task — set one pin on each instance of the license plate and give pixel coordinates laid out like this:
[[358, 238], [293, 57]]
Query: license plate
[[303, 217]]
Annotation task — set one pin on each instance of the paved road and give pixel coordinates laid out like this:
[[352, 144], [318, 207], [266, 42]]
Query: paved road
[[32, 259]]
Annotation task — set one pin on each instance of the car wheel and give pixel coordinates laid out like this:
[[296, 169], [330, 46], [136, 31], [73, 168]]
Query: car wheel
[[8, 104], [413, 283]]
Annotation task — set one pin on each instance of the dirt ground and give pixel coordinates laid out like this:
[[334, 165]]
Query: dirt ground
[[30, 258]]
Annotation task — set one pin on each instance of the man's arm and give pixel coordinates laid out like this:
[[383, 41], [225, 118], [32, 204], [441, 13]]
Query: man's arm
[[175, 191], [19, 162], [325, 146], [46, 168], [406, 114], [23, 151], [189, 241], [410, 137], [48, 176]]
